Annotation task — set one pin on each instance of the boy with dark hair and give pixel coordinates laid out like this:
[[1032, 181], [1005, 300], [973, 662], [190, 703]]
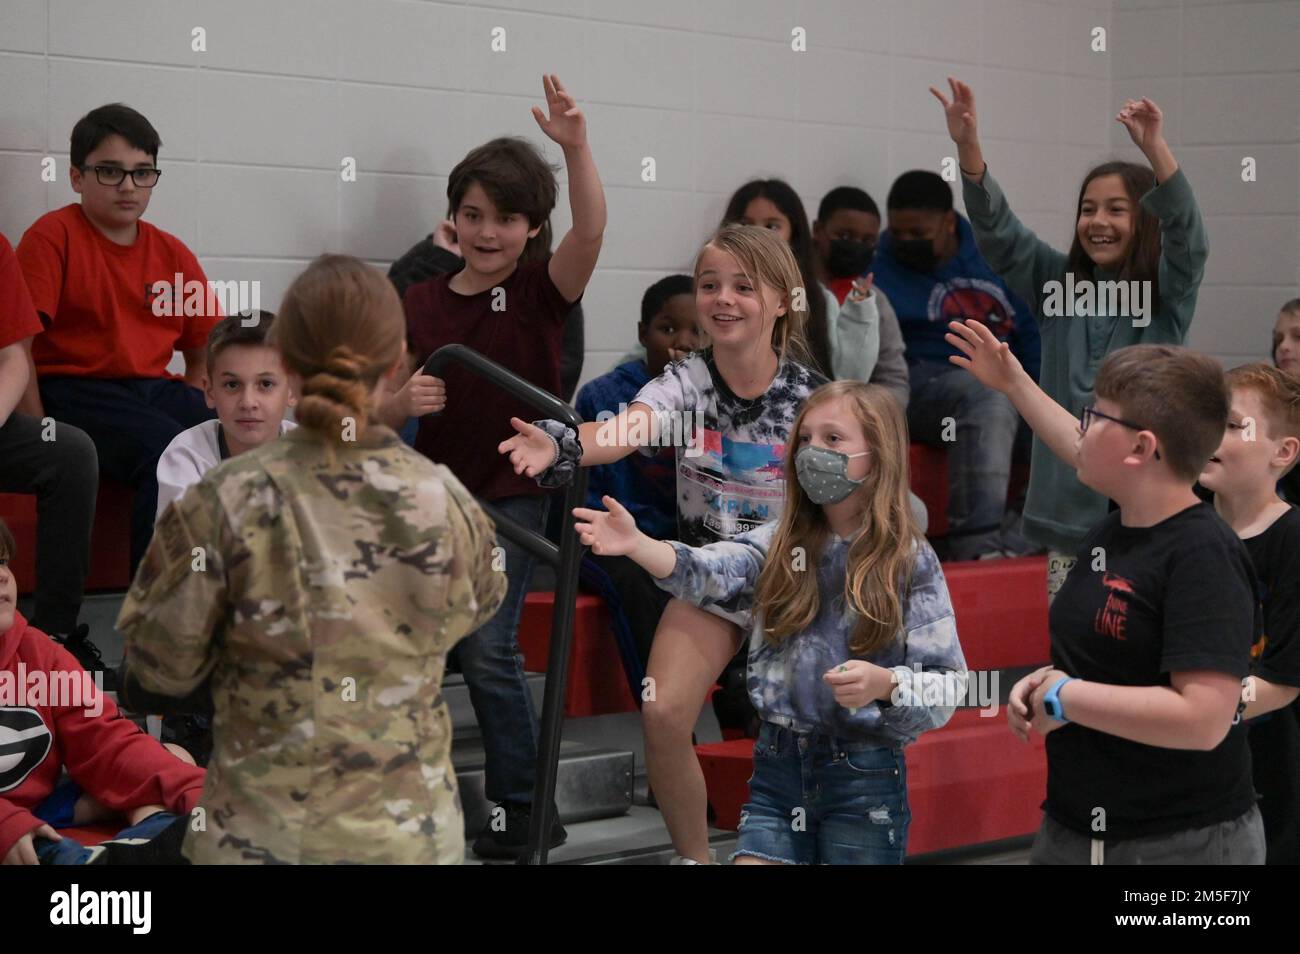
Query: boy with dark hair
[[928, 264], [844, 237], [53, 716], [1259, 447], [62, 473], [115, 295], [510, 307], [1147, 760], [248, 387], [645, 483]]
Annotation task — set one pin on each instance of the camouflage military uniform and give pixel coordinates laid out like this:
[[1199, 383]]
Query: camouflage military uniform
[[323, 601]]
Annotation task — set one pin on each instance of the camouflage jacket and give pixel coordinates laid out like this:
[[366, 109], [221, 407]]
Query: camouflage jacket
[[321, 590]]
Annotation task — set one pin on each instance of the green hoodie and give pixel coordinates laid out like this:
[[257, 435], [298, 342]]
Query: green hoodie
[[1059, 510]]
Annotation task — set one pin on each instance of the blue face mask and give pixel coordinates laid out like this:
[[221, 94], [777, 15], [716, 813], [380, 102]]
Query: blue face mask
[[823, 474]]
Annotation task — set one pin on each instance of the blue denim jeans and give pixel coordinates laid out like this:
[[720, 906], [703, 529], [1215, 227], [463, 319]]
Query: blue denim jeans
[[493, 669], [131, 422], [979, 456], [815, 799]]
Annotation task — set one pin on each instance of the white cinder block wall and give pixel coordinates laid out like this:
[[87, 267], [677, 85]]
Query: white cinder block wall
[[255, 128], [1230, 75]]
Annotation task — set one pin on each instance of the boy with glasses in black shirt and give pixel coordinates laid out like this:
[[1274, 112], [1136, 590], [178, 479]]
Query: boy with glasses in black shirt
[[1147, 758]]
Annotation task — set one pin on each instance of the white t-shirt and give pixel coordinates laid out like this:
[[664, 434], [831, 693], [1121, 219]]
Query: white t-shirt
[[190, 455]]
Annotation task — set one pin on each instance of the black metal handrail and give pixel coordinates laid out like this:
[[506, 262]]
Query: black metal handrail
[[566, 558]]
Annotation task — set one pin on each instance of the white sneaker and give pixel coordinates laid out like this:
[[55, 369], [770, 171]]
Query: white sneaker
[[679, 860]]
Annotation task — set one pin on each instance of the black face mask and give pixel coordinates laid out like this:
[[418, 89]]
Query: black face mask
[[916, 254], [849, 258]]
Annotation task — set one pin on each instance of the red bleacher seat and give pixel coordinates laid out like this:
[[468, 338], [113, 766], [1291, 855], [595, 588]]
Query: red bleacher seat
[[968, 783], [928, 467], [597, 684], [1001, 608], [110, 539]]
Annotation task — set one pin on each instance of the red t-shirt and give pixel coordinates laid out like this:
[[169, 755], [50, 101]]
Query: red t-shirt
[[50, 723], [96, 298], [18, 318], [524, 337]]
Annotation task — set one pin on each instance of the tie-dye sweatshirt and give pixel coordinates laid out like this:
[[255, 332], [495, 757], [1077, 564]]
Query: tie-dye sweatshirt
[[785, 681]]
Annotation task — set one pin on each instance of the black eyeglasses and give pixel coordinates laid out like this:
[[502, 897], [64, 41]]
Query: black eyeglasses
[[113, 175], [1089, 412]]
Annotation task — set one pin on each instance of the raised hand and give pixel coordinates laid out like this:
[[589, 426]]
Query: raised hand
[[531, 451], [1144, 121], [989, 359], [960, 112], [565, 124], [611, 533]]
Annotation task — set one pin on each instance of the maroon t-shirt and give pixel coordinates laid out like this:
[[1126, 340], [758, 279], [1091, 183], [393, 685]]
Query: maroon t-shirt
[[523, 335]]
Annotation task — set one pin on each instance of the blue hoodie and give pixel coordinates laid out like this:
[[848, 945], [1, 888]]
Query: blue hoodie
[[962, 287]]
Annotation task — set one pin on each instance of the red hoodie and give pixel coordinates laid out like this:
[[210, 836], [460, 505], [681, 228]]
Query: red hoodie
[[108, 755]]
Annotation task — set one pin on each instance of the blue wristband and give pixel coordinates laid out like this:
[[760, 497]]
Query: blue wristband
[[1052, 701]]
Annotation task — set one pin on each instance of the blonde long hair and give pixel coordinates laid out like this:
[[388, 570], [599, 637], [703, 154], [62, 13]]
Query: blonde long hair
[[881, 552], [767, 260], [340, 327]]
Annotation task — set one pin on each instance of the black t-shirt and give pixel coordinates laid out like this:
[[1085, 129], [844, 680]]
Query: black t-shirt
[[1173, 597], [1275, 736]]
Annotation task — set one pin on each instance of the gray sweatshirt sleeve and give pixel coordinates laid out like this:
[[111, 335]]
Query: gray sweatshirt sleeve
[[891, 364], [1023, 260]]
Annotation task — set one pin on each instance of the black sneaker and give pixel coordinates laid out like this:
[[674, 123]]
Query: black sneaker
[[511, 841], [78, 643]]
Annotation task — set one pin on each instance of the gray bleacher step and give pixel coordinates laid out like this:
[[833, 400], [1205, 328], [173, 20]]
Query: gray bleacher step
[[591, 783], [464, 724]]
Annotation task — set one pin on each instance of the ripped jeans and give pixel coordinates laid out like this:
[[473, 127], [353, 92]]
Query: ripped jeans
[[815, 799]]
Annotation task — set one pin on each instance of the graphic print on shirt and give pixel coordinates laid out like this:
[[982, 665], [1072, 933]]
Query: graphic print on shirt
[[733, 479], [24, 742], [960, 298], [1113, 616], [734, 486]]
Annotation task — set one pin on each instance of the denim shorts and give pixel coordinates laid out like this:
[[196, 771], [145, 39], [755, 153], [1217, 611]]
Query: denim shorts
[[815, 799]]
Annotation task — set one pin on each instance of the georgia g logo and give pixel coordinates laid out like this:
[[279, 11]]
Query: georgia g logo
[[24, 743]]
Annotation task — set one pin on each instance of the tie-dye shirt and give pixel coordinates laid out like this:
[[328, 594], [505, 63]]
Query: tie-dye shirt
[[730, 451], [785, 681]]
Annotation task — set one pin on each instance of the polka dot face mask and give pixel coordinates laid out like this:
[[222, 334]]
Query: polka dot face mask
[[823, 474]]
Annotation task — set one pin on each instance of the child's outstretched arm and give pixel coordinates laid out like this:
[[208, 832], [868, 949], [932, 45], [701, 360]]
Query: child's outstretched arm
[[535, 452], [993, 364], [575, 258], [1023, 260], [722, 574], [614, 533]]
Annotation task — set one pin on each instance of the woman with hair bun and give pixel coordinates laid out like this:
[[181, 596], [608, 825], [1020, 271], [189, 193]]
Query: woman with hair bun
[[317, 583]]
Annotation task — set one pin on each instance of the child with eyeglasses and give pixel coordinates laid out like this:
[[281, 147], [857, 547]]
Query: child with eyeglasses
[[1147, 758], [116, 296]]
